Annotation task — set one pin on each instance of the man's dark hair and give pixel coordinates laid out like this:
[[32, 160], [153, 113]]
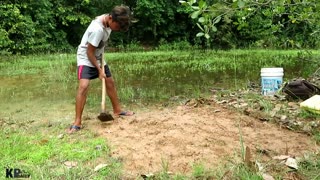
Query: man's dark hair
[[122, 15]]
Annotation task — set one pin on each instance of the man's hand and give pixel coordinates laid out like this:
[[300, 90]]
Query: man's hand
[[102, 75]]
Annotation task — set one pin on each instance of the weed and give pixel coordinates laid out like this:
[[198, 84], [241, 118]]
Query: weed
[[310, 165], [243, 172], [164, 174], [265, 105], [200, 171], [308, 114], [316, 136]]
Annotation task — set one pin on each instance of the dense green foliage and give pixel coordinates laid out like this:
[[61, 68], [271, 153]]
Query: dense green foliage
[[30, 26], [258, 23], [33, 26]]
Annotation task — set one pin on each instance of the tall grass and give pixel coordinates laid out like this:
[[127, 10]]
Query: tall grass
[[150, 76]]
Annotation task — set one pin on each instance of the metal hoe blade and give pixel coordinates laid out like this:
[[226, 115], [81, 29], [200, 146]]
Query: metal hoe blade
[[105, 117]]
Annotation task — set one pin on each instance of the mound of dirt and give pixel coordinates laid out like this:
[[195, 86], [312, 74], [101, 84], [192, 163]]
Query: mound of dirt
[[183, 135]]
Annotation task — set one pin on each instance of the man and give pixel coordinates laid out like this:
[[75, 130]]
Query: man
[[89, 57]]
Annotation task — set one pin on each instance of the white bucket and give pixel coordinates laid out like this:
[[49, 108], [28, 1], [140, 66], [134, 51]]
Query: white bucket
[[271, 80]]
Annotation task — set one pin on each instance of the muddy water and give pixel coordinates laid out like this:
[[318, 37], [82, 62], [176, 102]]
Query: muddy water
[[139, 79], [154, 84], [147, 85]]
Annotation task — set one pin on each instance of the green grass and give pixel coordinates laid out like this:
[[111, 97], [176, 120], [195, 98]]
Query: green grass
[[200, 171], [308, 114], [310, 166], [43, 155]]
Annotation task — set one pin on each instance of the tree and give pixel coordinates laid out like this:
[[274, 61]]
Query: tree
[[30, 26], [282, 23], [160, 19]]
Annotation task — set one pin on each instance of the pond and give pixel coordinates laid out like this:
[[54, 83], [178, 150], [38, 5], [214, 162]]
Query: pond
[[146, 77]]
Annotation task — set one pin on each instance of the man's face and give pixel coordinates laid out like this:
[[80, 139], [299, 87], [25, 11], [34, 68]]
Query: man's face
[[114, 26]]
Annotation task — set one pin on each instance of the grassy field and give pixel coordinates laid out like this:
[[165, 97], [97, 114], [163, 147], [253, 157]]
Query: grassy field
[[37, 103]]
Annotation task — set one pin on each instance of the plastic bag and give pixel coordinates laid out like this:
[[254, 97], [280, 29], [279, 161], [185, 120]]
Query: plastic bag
[[300, 89]]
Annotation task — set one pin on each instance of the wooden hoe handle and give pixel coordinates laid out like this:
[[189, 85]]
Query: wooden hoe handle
[[103, 100]]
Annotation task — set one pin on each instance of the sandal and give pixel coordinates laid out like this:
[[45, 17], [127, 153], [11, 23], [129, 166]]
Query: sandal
[[73, 129], [126, 113]]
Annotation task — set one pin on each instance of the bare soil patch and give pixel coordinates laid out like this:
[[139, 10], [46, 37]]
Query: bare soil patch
[[183, 135]]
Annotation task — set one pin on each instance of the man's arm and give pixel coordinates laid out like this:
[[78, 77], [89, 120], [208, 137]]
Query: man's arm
[[91, 55]]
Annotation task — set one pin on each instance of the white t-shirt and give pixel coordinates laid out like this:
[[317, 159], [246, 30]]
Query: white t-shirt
[[97, 35]]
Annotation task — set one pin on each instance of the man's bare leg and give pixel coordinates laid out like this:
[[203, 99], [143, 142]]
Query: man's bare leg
[[80, 101], [112, 93]]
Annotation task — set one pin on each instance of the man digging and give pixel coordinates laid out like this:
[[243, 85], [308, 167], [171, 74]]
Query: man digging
[[89, 56]]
